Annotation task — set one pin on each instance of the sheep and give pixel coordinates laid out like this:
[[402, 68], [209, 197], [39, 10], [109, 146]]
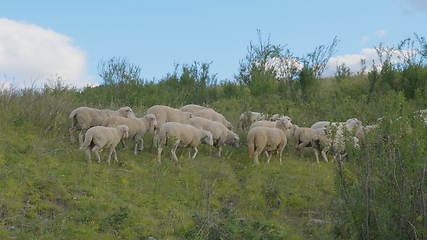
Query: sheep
[[268, 139], [137, 127], [306, 137], [83, 118], [221, 135], [283, 123], [168, 114], [214, 116], [192, 108], [184, 135], [99, 137], [247, 118], [351, 124], [336, 140], [322, 124], [263, 123], [275, 117]]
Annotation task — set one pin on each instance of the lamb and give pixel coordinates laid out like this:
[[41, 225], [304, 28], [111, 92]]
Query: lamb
[[83, 118], [214, 116], [183, 135], [266, 139], [168, 114], [192, 108], [99, 137], [137, 127], [247, 118], [221, 135]]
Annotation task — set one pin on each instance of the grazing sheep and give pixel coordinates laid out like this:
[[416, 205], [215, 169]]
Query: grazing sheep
[[276, 116], [322, 124], [263, 123], [192, 108], [306, 137], [247, 118], [98, 137], [137, 127], [183, 135], [83, 118], [214, 116], [168, 114], [337, 140], [283, 123], [221, 135], [266, 139], [351, 124]]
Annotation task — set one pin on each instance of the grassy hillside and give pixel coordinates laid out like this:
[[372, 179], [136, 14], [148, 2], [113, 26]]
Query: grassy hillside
[[49, 191]]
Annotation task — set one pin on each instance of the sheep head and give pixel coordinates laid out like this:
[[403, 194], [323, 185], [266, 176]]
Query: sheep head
[[126, 112]]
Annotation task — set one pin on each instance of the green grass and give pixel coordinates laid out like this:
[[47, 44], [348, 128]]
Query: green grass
[[49, 191]]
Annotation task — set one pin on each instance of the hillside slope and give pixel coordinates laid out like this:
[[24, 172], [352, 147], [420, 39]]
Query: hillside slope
[[49, 191]]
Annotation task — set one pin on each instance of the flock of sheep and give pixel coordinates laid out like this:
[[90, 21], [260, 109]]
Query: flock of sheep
[[192, 125]]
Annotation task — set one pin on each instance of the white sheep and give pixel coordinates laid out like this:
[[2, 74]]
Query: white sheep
[[336, 140], [192, 108], [322, 124], [168, 114], [350, 124], [83, 118], [266, 139], [276, 116], [283, 123], [214, 116], [306, 137], [247, 118], [137, 127], [220, 134], [99, 137], [183, 135]]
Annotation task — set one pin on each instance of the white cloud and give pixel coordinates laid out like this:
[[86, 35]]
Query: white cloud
[[33, 56], [353, 61]]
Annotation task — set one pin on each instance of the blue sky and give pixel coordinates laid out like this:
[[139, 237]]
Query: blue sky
[[157, 34]]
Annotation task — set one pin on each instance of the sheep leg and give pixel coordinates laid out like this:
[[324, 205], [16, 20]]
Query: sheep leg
[[141, 144], [324, 156], [109, 156], [257, 152], [88, 156], [316, 153], [256, 158], [159, 154], [71, 131], [280, 155], [135, 150], [95, 150], [266, 154], [81, 137], [115, 155], [219, 151], [195, 153], [269, 157], [173, 151]]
